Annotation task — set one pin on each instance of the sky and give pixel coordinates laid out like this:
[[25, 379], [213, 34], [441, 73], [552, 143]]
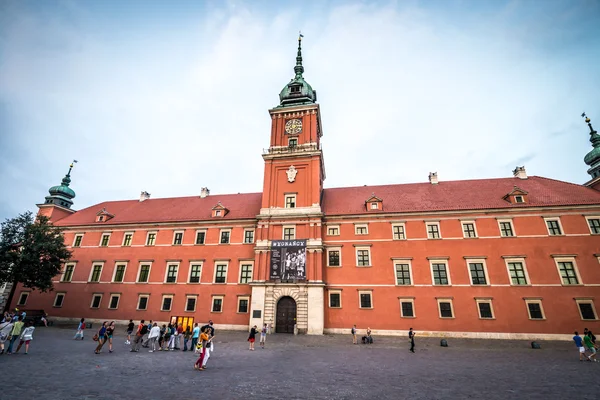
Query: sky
[[169, 97]]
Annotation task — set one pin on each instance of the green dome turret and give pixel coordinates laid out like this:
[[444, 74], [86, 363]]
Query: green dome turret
[[593, 157], [298, 91], [62, 195]]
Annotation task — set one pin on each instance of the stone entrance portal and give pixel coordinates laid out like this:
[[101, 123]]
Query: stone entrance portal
[[286, 315]]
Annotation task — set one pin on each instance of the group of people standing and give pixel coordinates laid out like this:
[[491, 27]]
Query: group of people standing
[[584, 344], [13, 328]]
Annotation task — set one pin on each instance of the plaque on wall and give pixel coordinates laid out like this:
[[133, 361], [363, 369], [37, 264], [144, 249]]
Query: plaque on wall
[[256, 313], [288, 260]]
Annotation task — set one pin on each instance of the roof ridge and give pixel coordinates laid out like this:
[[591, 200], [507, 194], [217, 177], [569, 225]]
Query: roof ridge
[[558, 180]]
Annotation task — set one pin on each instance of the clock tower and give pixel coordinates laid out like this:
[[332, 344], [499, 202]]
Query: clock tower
[[291, 215]]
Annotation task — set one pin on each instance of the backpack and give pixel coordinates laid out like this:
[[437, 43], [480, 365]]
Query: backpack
[[144, 329]]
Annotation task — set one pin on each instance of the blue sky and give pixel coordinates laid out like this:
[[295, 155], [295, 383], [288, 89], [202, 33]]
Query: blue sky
[[169, 97]]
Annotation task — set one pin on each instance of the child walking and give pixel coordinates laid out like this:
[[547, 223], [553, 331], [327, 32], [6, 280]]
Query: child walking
[[80, 329], [26, 337]]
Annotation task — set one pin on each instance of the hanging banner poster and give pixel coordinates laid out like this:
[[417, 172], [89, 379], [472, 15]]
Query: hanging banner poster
[[288, 260]]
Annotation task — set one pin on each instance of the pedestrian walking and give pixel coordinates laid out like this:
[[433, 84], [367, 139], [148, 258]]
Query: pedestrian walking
[[130, 328], [162, 337], [579, 343], [110, 331], [146, 338], [353, 331], [211, 328], [178, 336], [26, 337], [15, 333], [5, 329], [587, 341], [411, 338], [263, 336], [195, 336], [139, 334], [153, 337], [209, 348], [186, 338], [204, 340], [80, 329], [101, 337], [252, 337]]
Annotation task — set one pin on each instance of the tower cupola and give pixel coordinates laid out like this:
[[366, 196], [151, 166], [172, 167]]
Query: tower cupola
[[297, 91], [62, 195], [593, 157]]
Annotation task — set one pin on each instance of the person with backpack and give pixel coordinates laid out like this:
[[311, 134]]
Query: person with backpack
[[139, 334], [209, 348], [153, 335], [101, 337], [80, 329]]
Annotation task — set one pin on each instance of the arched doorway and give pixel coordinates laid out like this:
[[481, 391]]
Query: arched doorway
[[286, 315]]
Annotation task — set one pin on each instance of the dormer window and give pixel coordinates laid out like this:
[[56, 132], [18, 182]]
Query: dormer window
[[100, 218], [217, 213], [219, 210], [374, 206], [103, 215], [516, 196], [295, 89], [519, 199], [374, 203]]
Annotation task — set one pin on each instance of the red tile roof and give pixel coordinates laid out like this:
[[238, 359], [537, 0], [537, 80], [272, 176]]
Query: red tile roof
[[479, 194]]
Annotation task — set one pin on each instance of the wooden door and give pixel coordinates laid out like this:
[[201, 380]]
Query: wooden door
[[286, 315]]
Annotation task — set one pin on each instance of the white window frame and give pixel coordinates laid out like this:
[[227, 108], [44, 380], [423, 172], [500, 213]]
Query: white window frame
[[221, 235], [162, 302], [189, 276], [226, 263], [587, 220], [101, 264], [370, 292], [535, 301], [75, 239], [488, 301], [21, 296], [137, 279], [218, 213], [117, 264], [148, 235], [205, 234], [431, 223], [368, 248], [575, 268], [137, 305], [338, 292], [360, 226], [485, 270], [546, 220], [94, 295], [338, 249], [62, 276], [519, 196], [508, 260], [446, 300], [175, 235], [117, 295], [253, 236], [251, 264], [171, 263], [63, 294], [333, 227], [399, 225], [462, 225], [292, 227], [290, 196], [212, 303], [124, 237], [579, 301], [407, 300], [102, 239], [512, 227], [239, 300], [191, 296], [440, 261], [400, 261]]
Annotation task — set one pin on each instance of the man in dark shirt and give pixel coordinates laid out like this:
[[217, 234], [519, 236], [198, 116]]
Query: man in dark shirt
[[411, 337], [130, 328]]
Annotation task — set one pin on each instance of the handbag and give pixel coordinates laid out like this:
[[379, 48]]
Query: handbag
[[95, 338]]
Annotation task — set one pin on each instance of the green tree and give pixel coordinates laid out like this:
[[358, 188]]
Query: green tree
[[32, 251]]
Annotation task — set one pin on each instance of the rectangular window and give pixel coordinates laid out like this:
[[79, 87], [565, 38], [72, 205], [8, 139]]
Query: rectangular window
[[23, 298], [333, 231], [517, 273], [446, 310], [217, 304], [506, 229], [105, 239], [218, 213], [246, 273], [167, 302], [59, 299], [151, 239], [407, 308], [553, 227], [333, 258], [440, 273], [293, 142], [177, 238], [290, 201], [469, 230], [119, 273], [477, 271], [171, 273], [433, 231], [220, 273], [114, 301], [403, 274], [127, 239], [68, 274], [586, 310], [96, 300], [190, 304], [243, 305], [225, 235], [195, 271], [365, 300], [200, 237], [398, 231], [144, 273], [374, 206], [594, 224], [96, 272], [248, 236], [142, 302], [77, 241], [289, 233], [519, 199], [362, 258], [335, 299], [535, 310], [568, 274], [485, 309], [361, 229]]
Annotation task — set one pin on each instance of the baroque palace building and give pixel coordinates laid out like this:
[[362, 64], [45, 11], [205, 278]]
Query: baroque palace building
[[514, 257]]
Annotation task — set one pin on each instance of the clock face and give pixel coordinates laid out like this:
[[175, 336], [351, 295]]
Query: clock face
[[293, 126]]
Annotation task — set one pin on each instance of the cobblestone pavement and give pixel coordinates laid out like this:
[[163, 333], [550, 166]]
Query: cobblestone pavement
[[299, 367]]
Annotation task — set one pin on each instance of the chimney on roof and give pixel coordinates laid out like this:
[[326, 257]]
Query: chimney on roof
[[519, 172], [144, 196], [433, 179], [204, 192]]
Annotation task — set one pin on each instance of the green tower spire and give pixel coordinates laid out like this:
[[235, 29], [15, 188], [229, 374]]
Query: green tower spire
[[297, 91], [62, 195], [299, 69], [593, 157]]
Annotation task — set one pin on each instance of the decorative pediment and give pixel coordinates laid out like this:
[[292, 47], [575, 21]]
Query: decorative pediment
[[103, 215], [517, 196], [219, 210], [374, 203]]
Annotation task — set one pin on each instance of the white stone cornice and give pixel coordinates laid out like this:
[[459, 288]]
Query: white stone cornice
[[290, 212]]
